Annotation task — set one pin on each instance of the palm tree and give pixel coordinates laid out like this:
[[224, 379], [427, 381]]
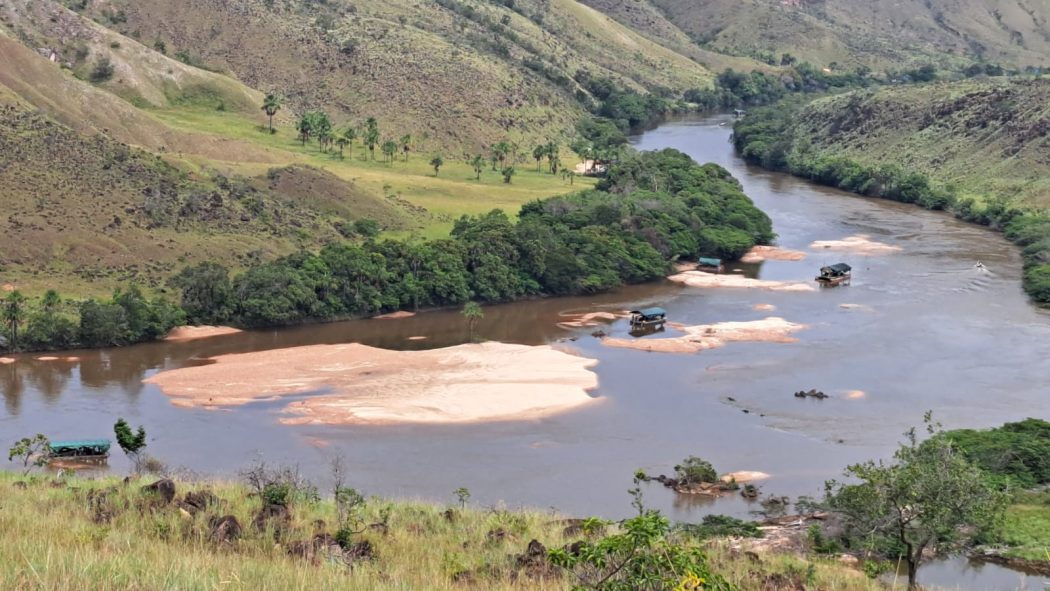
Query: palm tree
[[371, 137], [341, 141], [389, 149], [501, 150], [473, 313], [507, 173], [349, 134], [271, 104], [552, 151], [321, 126], [406, 144], [478, 162], [437, 162], [14, 313], [305, 127], [538, 153]]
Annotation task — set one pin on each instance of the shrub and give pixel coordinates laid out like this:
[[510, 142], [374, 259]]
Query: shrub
[[102, 71], [695, 470]]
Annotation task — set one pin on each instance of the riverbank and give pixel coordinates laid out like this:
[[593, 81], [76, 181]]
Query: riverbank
[[77, 534], [358, 384]]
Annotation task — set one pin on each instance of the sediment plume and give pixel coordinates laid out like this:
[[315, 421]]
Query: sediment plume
[[771, 253], [357, 384], [702, 279], [710, 336], [859, 244]]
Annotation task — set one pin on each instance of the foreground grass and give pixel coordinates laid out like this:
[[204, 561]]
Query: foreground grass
[[54, 539]]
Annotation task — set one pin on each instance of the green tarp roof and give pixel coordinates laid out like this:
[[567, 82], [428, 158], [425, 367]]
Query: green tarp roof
[[75, 443]]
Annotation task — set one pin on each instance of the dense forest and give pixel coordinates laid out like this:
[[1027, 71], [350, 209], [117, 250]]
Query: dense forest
[[765, 137], [650, 209]]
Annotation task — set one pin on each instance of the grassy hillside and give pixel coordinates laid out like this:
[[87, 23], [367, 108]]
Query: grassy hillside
[[162, 164], [984, 139], [873, 33], [100, 535], [976, 149], [465, 73]]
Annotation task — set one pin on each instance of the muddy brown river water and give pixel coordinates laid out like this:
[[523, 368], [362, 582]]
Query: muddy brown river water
[[918, 329]]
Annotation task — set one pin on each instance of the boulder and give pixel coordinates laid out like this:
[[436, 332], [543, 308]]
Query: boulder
[[163, 489], [224, 530]]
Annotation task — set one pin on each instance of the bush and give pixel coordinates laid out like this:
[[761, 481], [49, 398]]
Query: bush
[[102, 71], [695, 470]]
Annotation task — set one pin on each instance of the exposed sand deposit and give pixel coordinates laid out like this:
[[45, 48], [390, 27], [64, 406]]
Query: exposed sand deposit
[[590, 319], [6, 360], [860, 244], [763, 307], [192, 333], [361, 384], [744, 476], [701, 279], [395, 315], [771, 253], [709, 336]]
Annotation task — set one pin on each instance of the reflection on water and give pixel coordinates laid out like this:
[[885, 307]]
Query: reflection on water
[[919, 329]]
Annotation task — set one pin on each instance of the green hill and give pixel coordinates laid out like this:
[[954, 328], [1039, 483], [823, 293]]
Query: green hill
[[872, 33]]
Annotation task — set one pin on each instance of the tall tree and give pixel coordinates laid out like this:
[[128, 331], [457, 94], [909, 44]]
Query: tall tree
[[478, 162], [349, 135], [321, 127], [389, 149], [271, 104], [341, 141], [305, 127], [538, 153], [371, 136], [507, 172], [501, 150], [437, 162], [929, 499], [406, 145], [14, 315], [553, 159]]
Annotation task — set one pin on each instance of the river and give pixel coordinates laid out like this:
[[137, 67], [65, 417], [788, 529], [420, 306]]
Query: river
[[928, 331]]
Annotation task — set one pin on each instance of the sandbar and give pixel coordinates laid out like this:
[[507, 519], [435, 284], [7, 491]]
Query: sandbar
[[702, 279], [358, 384], [6, 360], [763, 307], [855, 394], [744, 476], [589, 319], [709, 336], [860, 244], [192, 333], [771, 253], [395, 315]]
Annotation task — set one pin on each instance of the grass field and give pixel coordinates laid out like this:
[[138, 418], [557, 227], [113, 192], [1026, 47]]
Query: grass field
[[56, 539], [1026, 527]]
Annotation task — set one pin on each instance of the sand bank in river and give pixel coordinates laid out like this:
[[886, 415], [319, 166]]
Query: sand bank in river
[[709, 336], [744, 476], [771, 253], [395, 315], [192, 333], [860, 244], [590, 319], [361, 384], [763, 307], [702, 279]]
